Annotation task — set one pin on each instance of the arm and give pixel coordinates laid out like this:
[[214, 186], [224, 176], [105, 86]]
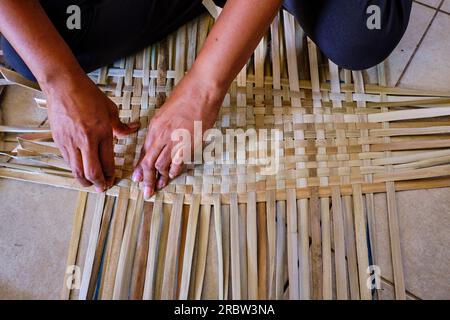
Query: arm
[[233, 39], [199, 95], [82, 118]]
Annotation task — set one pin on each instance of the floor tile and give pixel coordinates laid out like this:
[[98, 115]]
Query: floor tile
[[446, 6], [421, 17], [424, 223], [432, 3], [35, 227], [430, 66]]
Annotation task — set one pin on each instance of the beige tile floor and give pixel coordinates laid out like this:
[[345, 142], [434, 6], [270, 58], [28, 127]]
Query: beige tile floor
[[36, 221]]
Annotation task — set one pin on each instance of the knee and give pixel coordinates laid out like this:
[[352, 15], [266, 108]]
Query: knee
[[344, 31], [362, 53], [363, 45]]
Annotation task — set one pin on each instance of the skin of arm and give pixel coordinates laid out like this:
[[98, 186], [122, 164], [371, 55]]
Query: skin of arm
[[81, 117], [200, 93]]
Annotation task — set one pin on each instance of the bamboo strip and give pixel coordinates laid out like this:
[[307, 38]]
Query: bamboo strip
[[212, 8], [189, 248], [100, 252], [173, 241], [326, 248], [226, 249], [182, 247], [318, 269], [272, 242], [292, 244], [103, 258], [16, 129], [74, 243], [280, 250], [161, 261], [116, 235], [339, 246], [235, 249], [304, 250], [361, 242], [433, 180], [153, 249], [205, 216], [123, 275], [252, 245], [243, 249], [15, 78], [409, 114], [350, 244], [394, 233], [370, 206], [219, 244], [262, 251], [140, 265], [90, 254]]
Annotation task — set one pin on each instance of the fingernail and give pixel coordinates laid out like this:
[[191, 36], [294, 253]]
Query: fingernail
[[137, 177], [148, 192], [99, 189], [171, 176], [161, 184]]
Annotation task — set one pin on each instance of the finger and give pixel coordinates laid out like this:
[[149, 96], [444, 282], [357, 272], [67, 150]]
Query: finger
[[149, 183], [162, 182], [107, 161], [65, 156], [177, 165], [92, 167], [176, 170], [138, 173], [163, 162], [76, 164], [121, 129], [149, 170], [163, 165]]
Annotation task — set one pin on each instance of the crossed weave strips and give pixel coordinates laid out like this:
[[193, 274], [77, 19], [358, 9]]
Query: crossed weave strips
[[330, 131]]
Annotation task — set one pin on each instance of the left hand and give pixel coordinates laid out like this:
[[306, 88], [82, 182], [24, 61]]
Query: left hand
[[192, 100]]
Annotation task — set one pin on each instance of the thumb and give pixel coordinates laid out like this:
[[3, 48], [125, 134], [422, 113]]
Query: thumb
[[121, 129]]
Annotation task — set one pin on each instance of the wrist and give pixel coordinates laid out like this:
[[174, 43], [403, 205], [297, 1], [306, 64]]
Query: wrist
[[209, 89], [210, 81], [64, 79]]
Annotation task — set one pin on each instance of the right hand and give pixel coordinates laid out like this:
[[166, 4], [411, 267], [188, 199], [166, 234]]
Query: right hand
[[83, 121]]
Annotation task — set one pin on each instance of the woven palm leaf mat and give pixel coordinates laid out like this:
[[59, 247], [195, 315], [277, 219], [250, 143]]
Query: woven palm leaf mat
[[305, 232]]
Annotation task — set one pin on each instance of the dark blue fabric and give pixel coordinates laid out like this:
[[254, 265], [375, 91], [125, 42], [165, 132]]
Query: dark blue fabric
[[112, 29], [339, 28]]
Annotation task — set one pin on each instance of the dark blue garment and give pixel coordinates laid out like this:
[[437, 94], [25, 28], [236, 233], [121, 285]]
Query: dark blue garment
[[339, 28], [113, 29]]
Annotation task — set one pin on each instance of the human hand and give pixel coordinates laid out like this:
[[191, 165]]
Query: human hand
[[192, 100], [83, 121]]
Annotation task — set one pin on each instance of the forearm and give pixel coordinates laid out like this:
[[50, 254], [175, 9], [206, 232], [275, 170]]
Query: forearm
[[233, 39], [27, 27]]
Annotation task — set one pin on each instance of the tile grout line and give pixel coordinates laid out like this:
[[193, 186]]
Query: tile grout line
[[437, 10], [408, 293]]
